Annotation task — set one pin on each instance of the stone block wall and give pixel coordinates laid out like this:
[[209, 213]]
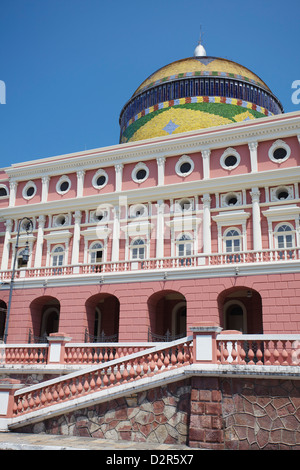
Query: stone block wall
[[203, 412]]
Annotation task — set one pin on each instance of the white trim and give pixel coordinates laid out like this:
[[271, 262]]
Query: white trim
[[279, 144], [63, 179], [184, 159], [228, 152], [99, 173], [138, 167], [25, 189]]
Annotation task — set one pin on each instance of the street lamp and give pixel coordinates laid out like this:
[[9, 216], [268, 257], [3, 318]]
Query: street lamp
[[28, 227]]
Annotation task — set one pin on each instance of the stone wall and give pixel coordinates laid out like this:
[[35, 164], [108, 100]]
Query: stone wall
[[158, 415], [203, 412], [245, 414]]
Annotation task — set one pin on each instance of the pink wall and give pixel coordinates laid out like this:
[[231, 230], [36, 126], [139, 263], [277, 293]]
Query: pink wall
[[20, 201], [279, 294], [89, 189], [53, 194], [128, 183], [171, 176], [216, 170], [264, 162]]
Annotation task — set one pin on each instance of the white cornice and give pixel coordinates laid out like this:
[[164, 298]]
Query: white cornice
[[203, 272], [154, 193], [283, 125]]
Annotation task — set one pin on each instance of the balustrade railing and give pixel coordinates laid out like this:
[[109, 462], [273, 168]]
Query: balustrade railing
[[275, 350], [213, 259], [123, 370]]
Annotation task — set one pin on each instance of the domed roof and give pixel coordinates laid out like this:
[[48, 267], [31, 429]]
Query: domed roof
[[195, 93], [204, 66]]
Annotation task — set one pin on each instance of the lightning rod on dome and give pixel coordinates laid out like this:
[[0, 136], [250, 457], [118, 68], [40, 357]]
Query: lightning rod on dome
[[200, 51]]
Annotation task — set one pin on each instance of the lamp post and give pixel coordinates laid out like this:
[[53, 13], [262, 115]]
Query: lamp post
[[28, 228]]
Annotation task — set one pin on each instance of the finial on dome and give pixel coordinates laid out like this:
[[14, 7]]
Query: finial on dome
[[199, 50]]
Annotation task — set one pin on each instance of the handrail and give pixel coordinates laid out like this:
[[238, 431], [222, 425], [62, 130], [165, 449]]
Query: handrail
[[175, 262], [275, 350], [126, 369]]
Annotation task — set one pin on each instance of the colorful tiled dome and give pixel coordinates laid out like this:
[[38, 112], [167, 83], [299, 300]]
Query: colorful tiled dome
[[195, 93]]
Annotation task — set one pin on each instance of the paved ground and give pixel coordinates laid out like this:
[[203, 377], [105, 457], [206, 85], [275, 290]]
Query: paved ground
[[17, 441]]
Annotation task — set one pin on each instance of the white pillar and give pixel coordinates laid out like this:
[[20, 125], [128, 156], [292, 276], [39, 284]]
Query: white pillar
[[76, 238], [253, 156], [206, 223], [116, 234], [6, 244], [119, 172], [45, 188], [206, 163], [161, 170], [160, 229], [12, 192], [257, 243], [39, 242], [80, 182]]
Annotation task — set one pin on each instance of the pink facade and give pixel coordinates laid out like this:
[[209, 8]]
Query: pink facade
[[156, 237]]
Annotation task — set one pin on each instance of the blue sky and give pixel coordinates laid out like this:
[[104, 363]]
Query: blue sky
[[69, 66]]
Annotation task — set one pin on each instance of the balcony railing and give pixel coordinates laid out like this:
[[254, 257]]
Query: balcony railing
[[195, 261], [234, 349]]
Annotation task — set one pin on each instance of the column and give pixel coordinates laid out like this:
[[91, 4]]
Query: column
[[206, 224], [12, 192], [76, 238], [257, 243], [205, 342], [80, 182], [206, 163], [45, 188], [160, 229], [119, 173], [253, 156], [6, 244], [161, 170], [116, 234], [39, 241]]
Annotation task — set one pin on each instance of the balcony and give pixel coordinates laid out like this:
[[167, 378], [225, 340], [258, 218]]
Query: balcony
[[205, 263]]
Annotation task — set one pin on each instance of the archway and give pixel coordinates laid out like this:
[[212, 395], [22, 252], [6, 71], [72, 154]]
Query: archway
[[167, 315], [103, 311], [3, 310], [240, 309], [45, 313]]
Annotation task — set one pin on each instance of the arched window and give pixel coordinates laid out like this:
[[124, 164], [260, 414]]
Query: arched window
[[285, 236], [184, 245], [138, 249], [57, 256], [232, 240], [232, 244], [96, 253], [284, 240]]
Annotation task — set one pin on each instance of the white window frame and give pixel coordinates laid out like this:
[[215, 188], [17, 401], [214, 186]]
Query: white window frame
[[279, 144], [230, 151], [61, 180], [135, 246], [99, 173], [26, 187], [277, 234], [232, 238], [139, 166], [184, 239], [184, 159], [53, 255], [93, 249]]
